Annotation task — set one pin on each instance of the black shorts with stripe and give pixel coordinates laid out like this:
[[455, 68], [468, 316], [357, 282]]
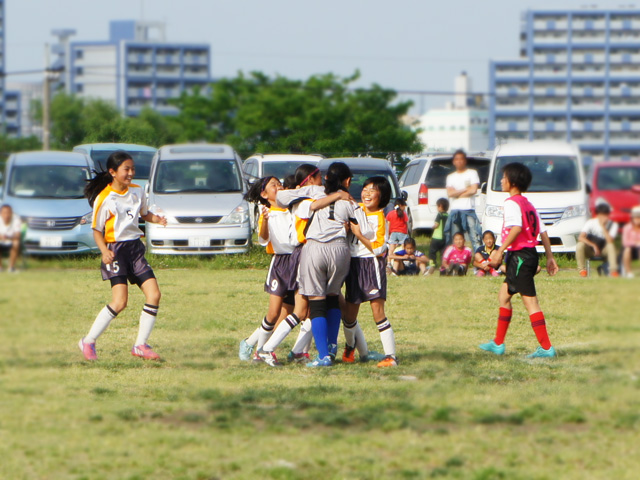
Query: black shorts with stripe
[[367, 280], [128, 264], [282, 278], [522, 266]]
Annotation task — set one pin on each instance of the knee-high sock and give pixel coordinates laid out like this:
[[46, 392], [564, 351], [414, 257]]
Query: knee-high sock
[[349, 330], [354, 337], [540, 329], [504, 320], [334, 319], [319, 329], [266, 329], [280, 333], [100, 324], [387, 337], [253, 338], [303, 342], [147, 321]]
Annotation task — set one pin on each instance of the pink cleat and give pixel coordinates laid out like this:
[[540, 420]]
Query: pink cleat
[[88, 350], [144, 351]]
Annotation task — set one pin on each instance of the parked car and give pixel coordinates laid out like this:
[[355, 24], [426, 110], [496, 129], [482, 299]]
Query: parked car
[[141, 154], [363, 168], [558, 190], [278, 165], [618, 185], [46, 190], [200, 189], [424, 179]]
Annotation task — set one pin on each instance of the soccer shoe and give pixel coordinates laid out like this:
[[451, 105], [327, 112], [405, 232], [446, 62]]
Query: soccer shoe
[[429, 271], [245, 350], [389, 361], [144, 351], [542, 353], [373, 356], [493, 347], [269, 358], [349, 354], [88, 350], [298, 357], [583, 273], [321, 362], [333, 351]]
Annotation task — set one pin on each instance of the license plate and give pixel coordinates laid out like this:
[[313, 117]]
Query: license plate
[[199, 242], [49, 241]]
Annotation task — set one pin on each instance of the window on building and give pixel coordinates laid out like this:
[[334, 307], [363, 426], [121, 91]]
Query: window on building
[[588, 126], [588, 24], [551, 58], [626, 24], [79, 71], [625, 90], [551, 24], [550, 126], [551, 91], [513, 91], [588, 91], [626, 58], [513, 127], [79, 54], [588, 58], [626, 126]]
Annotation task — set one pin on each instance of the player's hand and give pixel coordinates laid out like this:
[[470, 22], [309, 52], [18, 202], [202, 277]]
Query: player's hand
[[161, 220], [495, 259], [265, 213], [552, 267], [355, 229], [107, 257], [597, 251], [342, 195], [347, 226]]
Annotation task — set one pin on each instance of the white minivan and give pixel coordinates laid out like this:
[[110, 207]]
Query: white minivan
[[558, 189]]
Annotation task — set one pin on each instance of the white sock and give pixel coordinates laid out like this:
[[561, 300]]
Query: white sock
[[147, 321], [265, 332], [303, 342], [100, 324], [387, 337], [349, 330], [361, 342], [280, 333], [253, 338]]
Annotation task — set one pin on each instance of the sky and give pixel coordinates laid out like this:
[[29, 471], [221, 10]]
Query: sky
[[407, 45]]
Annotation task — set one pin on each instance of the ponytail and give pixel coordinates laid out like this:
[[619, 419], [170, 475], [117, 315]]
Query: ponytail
[[103, 178], [400, 203], [304, 173], [338, 172], [254, 193]]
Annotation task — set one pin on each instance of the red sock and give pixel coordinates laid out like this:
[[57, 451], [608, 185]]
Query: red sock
[[540, 329], [503, 325]]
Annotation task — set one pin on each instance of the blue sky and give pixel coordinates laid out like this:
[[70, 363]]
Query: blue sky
[[401, 44]]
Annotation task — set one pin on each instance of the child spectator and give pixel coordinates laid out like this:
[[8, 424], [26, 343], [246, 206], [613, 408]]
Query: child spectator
[[398, 225], [481, 257], [596, 238], [10, 232], [409, 261], [631, 241], [437, 238], [456, 258]]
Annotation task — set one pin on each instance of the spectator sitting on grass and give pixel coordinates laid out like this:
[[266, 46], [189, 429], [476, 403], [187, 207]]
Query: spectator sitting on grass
[[596, 238], [481, 257], [409, 261], [438, 243], [631, 241], [456, 258], [10, 231]]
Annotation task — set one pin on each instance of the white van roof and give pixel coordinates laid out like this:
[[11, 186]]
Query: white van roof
[[196, 151], [539, 147]]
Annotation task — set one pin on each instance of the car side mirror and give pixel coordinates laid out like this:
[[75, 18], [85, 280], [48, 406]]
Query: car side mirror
[[404, 195], [636, 189], [483, 187], [589, 189]]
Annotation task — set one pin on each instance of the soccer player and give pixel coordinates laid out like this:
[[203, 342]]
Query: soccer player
[[520, 230], [367, 279], [117, 203]]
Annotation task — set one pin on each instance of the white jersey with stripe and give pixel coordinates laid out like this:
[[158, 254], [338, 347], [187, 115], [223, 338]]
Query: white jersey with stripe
[[376, 233], [116, 214], [282, 236], [285, 198], [327, 224]]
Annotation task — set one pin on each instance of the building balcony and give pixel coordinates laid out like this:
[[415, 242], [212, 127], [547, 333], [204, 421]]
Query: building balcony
[[505, 126], [630, 140], [550, 91], [167, 59], [193, 60], [589, 58], [625, 107], [557, 126], [147, 72], [137, 59], [544, 105], [550, 58], [578, 126], [624, 38], [625, 24], [203, 75], [589, 24], [617, 126], [546, 39], [545, 73]]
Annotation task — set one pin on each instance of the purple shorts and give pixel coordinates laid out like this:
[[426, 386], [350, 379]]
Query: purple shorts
[[367, 280], [128, 264], [283, 273]]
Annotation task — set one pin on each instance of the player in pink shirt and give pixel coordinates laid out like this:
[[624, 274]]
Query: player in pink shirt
[[631, 241], [456, 258]]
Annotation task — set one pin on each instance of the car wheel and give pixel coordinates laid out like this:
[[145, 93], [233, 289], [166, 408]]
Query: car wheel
[[409, 222]]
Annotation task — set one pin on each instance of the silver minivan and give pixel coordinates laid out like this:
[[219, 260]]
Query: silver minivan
[[46, 189], [199, 188]]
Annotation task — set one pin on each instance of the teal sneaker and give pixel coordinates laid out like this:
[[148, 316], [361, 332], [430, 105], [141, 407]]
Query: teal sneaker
[[333, 351], [542, 353], [321, 362], [245, 350], [373, 356], [493, 347]]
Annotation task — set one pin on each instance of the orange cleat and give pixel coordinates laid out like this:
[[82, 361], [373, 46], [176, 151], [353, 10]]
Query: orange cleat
[[349, 354], [144, 351], [583, 273], [389, 361]]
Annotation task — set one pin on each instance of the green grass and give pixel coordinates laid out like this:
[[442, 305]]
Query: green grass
[[448, 411]]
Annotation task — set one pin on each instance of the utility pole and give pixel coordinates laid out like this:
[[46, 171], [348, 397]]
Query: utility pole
[[46, 102]]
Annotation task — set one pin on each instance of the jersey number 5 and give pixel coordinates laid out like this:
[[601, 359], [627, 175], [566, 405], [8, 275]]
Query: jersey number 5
[[114, 266]]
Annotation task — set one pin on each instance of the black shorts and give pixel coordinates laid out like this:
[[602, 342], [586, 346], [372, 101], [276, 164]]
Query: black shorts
[[366, 280], [522, 266], [128, 264], [282, 278], [437, 246]]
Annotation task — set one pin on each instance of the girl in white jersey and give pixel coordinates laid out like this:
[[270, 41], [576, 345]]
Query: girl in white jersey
[[117, 203]]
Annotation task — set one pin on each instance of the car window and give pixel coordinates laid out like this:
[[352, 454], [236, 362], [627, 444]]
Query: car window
[[406, 176], [247, 168], [198, 176], [361, 176], [618, 178], [280, 169], [551, 173], [48, 181], [440, 168], [141, 160]]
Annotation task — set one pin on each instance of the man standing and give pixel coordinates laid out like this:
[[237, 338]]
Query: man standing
[[462, 186]]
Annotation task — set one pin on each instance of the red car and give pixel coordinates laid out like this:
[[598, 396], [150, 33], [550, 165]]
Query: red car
[[618, 184]]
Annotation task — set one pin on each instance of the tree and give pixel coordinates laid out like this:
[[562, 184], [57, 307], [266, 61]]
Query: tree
[[323, 114]]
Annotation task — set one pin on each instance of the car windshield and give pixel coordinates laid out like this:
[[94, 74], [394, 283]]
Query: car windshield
[[361, 176], [197, 176], [618, 178], [280, 169], [440, 168], [48, 181], [141, 160], [551, 173]]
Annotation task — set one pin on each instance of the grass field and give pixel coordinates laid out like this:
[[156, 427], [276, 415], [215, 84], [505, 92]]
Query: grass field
[[448, 411]]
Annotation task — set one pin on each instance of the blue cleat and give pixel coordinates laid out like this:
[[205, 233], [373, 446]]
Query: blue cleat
[[245, 350], [374, 357], [333, 351], [542, 353], [493, 347], [321, 362]]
